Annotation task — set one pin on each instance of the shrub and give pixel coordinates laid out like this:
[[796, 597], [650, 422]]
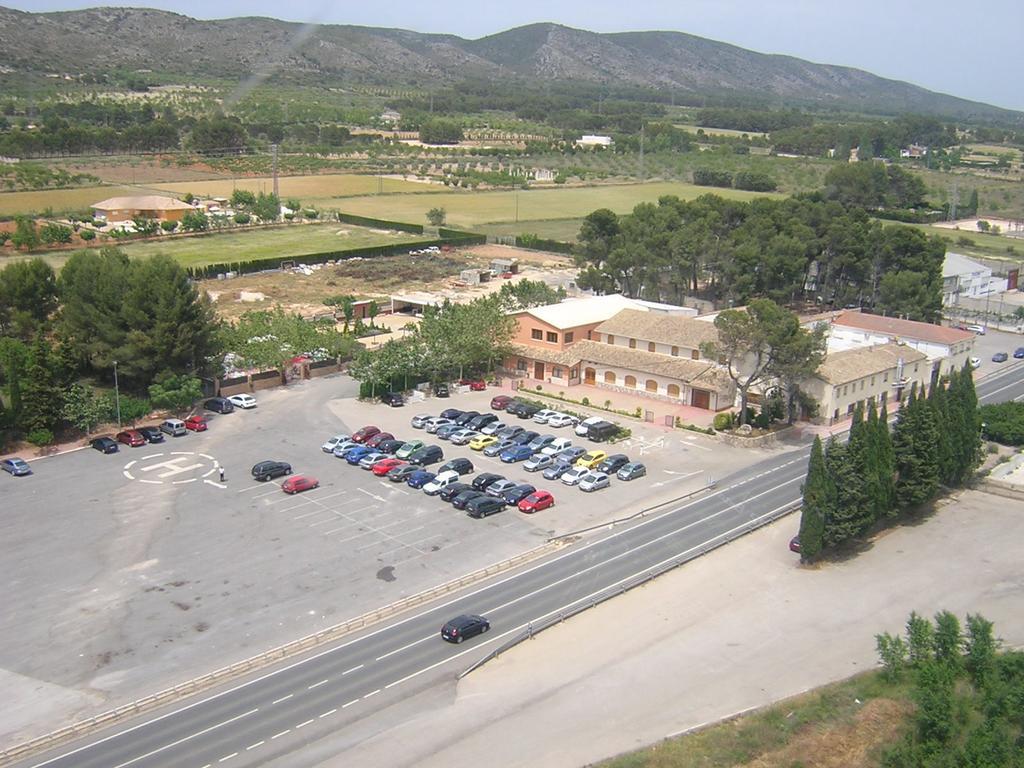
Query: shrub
[[87, 235], [723, 420], [4, 237], [168, 226], [133, 408], [242, 218], [40, 437], [1003, 423], [585, 401]]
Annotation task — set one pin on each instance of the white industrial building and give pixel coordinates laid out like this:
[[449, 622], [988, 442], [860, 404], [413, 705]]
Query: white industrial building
[[964, 278]]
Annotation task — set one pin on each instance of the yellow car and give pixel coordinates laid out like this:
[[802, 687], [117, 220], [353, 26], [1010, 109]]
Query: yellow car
[[482, 441], [591, 459]]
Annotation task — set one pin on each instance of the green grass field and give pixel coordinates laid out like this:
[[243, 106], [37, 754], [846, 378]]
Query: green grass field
[[565, 230], [471, 209], [989, 246], [295, 240]]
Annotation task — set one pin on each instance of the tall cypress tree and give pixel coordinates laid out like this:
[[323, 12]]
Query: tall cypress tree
[[915, 443], [845, 521], [855, 495], [886, 459], [873, 479], [938, 402], [41, 399], [968, 455], [819, 499]]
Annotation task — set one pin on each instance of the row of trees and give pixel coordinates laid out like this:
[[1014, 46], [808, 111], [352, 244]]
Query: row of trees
[[852, 487], [799, 248], [969, 709]]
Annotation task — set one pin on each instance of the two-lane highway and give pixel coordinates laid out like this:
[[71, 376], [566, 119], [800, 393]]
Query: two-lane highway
[[282, 711]]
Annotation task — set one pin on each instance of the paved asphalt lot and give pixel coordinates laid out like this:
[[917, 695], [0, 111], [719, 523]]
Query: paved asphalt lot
[[132, 572]]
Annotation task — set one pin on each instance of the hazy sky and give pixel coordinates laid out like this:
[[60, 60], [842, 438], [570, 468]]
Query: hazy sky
[[970, 51]]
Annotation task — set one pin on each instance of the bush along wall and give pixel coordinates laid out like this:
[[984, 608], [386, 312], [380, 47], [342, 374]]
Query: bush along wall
[[366, 221]]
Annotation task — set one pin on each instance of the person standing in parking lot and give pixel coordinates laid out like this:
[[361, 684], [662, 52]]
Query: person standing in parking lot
[[221, 470]]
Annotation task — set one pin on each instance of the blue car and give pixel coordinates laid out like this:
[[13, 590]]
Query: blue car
[[519, 453], [17, 467], [1018, 352], [419, 478], [356, 455], [446, 432]]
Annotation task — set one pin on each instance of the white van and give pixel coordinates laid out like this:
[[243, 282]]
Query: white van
[[174, 427], [978, 329], [583, 428]]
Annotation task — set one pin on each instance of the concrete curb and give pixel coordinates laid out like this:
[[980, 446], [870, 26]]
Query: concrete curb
[[254, 663]]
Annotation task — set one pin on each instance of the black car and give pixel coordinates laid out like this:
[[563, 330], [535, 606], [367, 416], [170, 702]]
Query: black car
[[104, 444], [441, 390], [462, 498], [466, 417], [602, 431], [394, 399], [514, 406], [482, 421], [462, 466], [389, 446], [525, 438], [428, 454], [613, 463], [219, 405], [480, 482], [265, 470], [484, 506], [527, 410], [461, 627], [400, 474], [450, 492], [152, 434], [451, 413], [513, 496]]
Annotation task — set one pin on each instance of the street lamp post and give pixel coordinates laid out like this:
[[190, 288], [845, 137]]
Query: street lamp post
[[117, 397]]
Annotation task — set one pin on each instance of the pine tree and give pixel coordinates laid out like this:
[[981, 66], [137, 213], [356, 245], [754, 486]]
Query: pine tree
[[41, 399], [915, 443], [886, 460], [819, 497]]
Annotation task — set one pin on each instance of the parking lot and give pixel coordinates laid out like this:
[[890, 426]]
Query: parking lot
[[133, 571]]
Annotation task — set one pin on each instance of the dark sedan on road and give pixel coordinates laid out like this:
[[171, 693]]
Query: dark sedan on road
[[219, 405], [152, 434], [613, 463], [453, 490], [1018, 352], [104, 444], [481, 481], [462, 627], [266, 470], [1000, 357], [524, 438], [514, 495]]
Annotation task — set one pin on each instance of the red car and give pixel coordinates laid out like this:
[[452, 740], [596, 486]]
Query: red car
[[500, 403], [537, 501], [384, 466], [299, 483], [794, 544], [475, 385], [379, 438], [196, 423], [131, 437], [364, 434]]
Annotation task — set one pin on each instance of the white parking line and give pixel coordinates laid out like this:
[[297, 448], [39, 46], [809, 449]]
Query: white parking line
[[250, 488], [309, 514], [336, 530], [277, 489]]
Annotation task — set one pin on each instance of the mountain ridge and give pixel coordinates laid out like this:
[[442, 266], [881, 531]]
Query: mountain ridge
[[110, 38]]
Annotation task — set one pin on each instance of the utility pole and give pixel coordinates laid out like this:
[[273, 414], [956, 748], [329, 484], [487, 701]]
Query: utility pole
[[273, 150]]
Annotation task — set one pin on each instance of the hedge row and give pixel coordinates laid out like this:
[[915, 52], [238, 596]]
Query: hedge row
[[458, 237], [366, 221], [535, 243]]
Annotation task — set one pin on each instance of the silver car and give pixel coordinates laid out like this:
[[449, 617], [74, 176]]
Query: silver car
[[496, 448], [538, 462], [493, 428], [436, 423], [419, 421], [342, 448], [593, 481], [498, 487], [372, 458], [463, 436]]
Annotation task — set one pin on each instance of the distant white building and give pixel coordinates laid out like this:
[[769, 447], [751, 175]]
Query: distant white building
[[964, 278], [594, 141]]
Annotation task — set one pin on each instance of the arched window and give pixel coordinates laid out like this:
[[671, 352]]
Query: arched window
[[631, 382], [609, 377], [651, 385], [672, 390]]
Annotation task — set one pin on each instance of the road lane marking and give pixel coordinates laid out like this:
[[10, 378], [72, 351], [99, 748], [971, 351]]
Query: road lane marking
[[403, 648], [283, 698], [228, 757], [372, 693], [347, 671], [166, 746], [302, 725], [346, 706], [329, 712], [253, 746], [282, 733], [315, 685]]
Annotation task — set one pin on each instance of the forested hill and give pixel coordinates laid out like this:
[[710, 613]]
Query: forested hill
[[108, 39]]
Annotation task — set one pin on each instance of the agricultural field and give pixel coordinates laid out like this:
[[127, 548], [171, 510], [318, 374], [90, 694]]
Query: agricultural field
[[720, 131], [58, 200], [471, 209], [305, 188], [566, 230]]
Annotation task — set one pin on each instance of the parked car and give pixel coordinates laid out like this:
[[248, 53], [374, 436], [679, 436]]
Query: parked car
[[196, 423], [462, 627], [401, 473], [243, 401], [376, 440], [527, 410], [496, 449], [978, 329], [975, 362], [514, 495], [570, 454], [173, 427], [408, 449], [385, 465], [573, 475], [461, 499], [419, 421], [441, 390], [451, 491], [333, 442], [498, 487], [480, 442], [513, 406], [436, 423], [355, 455], [475, 385], [594, 481], [419, 478], [556, 446], [500, 402], [131, 437], [1018, 352], [365, 433], [483, 506], [390, 446], [794, 544], [591, 459], [1000, 357], [394, 399], [516, 453], [540, 442], [299, 483], [152, 434], [601, 432], [430, 454], [525, 437], [446, 432], [267, 470], [613, 463], [219, 405], [451, 413], [459, 465], [562, 420], [584, 426], [556, 470], [372, 458], [507, 433], [466, 417], [631, 471], [493, 428], [440, 481], [103, 444], [542, 416], [341, 449], [15, 467], [537, 501], [482, 421], [481, 481], [463, 436], [538, 462]]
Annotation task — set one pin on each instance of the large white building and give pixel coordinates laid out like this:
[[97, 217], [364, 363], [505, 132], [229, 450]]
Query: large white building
[[964, 278]]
